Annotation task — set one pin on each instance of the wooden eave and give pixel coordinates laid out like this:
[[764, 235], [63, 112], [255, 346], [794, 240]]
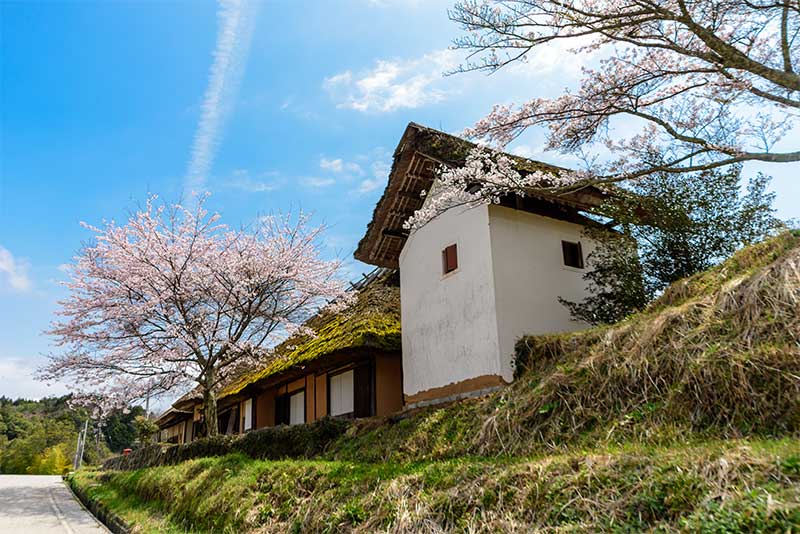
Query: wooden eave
[[419, 154], [330, 362], [172, 416]]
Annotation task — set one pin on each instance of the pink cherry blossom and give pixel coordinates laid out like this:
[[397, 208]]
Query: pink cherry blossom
[[175, 299], [709, 82]]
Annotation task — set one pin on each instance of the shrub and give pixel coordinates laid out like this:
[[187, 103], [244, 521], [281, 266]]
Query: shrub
[[296, 441]]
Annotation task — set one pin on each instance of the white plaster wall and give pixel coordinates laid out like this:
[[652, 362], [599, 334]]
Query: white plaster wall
[[449, 325], [529, 276]]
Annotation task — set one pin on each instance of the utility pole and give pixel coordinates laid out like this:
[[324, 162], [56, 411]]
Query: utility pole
[[81, 444], [77, 452]]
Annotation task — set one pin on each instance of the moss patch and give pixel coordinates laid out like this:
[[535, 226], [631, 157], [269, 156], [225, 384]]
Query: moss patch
[[373, 320]]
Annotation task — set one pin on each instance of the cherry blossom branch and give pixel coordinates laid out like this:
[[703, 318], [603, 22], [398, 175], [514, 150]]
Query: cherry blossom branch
[[712, 82], [177, 297]]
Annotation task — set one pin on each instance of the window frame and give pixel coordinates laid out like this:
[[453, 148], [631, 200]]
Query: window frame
[[578, 248], [348, 369], [288, 399], [305, 405], [248, 414], [445, 264], [369, 364]]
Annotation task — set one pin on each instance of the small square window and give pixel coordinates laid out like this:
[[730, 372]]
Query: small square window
[[449, 259], [573, 255]]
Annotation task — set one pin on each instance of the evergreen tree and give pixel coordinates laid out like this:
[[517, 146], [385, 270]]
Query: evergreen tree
[[668, 227]]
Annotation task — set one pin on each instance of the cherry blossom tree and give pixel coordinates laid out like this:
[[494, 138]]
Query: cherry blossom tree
[[176, 299], [709, 83]]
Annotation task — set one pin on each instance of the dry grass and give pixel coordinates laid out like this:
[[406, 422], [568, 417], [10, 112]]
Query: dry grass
[[717, 355], [722, 353]]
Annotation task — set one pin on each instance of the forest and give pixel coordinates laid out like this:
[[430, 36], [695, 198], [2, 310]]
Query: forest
[[41, 436]]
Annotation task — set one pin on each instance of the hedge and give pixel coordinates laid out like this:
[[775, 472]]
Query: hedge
[[273, 443]]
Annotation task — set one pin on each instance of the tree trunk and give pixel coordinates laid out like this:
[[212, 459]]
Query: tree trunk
[[210, 406]]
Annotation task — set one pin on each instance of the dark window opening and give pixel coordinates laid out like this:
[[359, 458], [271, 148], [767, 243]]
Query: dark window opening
[[197, 430], [573, 255], [363, 394], [449, 259], [474, 187], [282, 410], [228, 421], [290, 408]]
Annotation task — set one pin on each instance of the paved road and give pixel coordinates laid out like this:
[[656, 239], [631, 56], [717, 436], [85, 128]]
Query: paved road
[[37, 504]]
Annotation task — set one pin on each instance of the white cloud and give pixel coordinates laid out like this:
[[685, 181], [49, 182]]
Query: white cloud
[[380, 174], [243, 180], [16, 380], [370, 184], [338, 165], [314, 182], [524, 151], [342, 78], [236, 21], [334, 165], [553, 62], [14, 271], [394, 84], [355, 168]]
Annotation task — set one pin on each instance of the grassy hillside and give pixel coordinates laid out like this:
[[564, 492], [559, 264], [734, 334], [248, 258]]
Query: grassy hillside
[[685, 417], [726, 486], [718, 355]]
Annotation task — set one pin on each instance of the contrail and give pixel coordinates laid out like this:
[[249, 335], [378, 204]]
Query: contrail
[[236, 21]]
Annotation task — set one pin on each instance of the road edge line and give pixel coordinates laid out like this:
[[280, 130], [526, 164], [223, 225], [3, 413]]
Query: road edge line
[[105, 517]]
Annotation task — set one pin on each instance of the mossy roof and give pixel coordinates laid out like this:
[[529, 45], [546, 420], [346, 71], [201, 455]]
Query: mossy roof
[[372, 321]]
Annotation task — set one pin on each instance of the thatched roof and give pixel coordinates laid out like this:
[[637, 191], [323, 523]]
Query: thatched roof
[[187, 400], [419, 154], [372, 321]]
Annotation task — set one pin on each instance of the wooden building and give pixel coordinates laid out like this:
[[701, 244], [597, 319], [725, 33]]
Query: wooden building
[[475, 278], [351, 368], [473, 281]]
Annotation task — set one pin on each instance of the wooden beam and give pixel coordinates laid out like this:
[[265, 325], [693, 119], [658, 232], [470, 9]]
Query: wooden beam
[[395, 232], [409, 195]]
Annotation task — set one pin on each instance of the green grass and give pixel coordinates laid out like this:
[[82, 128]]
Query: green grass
[[716, 486], [146, 515], [684, 418]]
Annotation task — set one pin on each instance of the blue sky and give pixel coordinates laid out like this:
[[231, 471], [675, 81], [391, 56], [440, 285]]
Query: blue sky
[[103, 102]]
